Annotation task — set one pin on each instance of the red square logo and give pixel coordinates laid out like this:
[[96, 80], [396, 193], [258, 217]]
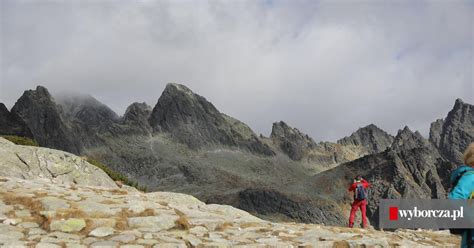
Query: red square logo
[[393, 213]]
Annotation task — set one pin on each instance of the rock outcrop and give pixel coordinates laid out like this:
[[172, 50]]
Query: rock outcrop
[[291, 141], [12, 124], [36, 213], [372, 138], [43, 117], [137, 115], [29, 162], [436, 128], [453, 134], [407, 140], [191, 119]]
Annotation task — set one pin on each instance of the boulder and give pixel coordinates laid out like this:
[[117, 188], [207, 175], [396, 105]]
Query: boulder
[[37, 162]]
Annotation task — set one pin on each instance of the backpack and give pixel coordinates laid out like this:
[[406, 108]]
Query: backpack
[[360, 193]]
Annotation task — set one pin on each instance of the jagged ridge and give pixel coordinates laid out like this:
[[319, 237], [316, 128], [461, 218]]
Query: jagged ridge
[[225, 162]]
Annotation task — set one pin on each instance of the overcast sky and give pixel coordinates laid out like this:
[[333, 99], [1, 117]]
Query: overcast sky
[[325, 67]]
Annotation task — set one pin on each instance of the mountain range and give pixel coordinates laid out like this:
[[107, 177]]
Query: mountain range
[[185, 144]]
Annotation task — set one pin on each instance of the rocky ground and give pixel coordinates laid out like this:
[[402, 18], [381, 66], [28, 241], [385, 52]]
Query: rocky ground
[[49, 213]]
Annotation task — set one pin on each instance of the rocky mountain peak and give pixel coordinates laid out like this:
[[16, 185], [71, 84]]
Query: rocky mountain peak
[[178, 93], [453, 134], [12, 124], [39, 95], [459, 104], [180, 88], [3, 109], [137, 112], [191, 119], [86, 109], [137, 115], [41, 91], [281, 129], [44, 118], [407, 140], [371, 137], [178, 105], [291, 141]]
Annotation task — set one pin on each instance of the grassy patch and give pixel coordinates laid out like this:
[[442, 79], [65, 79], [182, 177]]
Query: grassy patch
[[183, 223], [116, 176], [70, 213], [24, 141], [27, 202], [125, 213], [33, 205]]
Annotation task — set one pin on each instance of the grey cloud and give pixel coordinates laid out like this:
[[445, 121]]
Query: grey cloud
[[326, 67]]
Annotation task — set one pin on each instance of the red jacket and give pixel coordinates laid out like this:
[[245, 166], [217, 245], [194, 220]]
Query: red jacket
[[365, 184]]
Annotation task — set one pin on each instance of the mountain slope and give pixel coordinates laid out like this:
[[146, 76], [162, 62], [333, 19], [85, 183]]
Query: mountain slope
[[184, 144], [12, 124], [410, 168]]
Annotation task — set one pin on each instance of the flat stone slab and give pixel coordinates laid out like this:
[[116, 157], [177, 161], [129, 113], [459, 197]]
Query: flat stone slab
[[69, 225], [124, 238], [161, 222], [11, 236], [102, 232], [51, 203], [105, 244]]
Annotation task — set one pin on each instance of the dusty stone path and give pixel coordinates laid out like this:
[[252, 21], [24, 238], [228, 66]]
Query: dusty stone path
[[43, 213]]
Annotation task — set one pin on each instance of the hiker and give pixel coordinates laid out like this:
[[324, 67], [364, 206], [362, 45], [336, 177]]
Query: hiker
[[359, 186], [462, 187]]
